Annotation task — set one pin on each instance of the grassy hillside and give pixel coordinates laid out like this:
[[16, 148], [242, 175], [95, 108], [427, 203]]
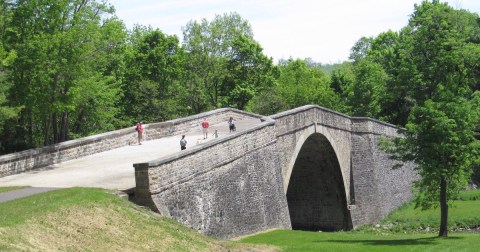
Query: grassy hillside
[[81, 219]]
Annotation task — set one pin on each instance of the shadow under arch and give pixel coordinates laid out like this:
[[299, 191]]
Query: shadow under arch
[[316, 194]]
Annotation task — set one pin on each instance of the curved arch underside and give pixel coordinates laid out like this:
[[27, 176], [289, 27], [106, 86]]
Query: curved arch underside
[[316, 195]]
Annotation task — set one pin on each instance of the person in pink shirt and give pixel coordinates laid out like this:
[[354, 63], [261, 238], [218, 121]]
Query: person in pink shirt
[[205, 126], [139, 130]]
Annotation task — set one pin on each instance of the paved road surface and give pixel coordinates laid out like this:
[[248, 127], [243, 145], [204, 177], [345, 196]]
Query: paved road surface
[[113, 169], [11, 195]]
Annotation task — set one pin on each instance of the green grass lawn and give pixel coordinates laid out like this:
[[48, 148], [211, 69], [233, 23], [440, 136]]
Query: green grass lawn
[[406, 229], [462, 214], [289, 240]]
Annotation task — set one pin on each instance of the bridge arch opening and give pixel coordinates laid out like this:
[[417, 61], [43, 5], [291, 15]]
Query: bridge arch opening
[[316, 193]]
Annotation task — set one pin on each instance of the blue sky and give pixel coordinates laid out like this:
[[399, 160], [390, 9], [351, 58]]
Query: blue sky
[[324, 30]]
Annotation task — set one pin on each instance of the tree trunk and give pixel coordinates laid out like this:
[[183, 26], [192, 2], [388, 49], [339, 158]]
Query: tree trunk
[[55, 127], [46, 131], [443, 208], [64, 127], [30, 128]]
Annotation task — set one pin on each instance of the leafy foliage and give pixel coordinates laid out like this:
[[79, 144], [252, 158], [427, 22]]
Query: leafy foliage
[[298, 85], [61, 48], [154, 63], [225, 66], [440, 131]]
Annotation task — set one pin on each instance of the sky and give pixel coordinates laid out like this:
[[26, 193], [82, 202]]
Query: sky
[[323, 30]]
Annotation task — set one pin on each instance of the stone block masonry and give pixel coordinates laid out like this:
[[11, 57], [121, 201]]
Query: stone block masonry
[[226, 188], [238, 185]]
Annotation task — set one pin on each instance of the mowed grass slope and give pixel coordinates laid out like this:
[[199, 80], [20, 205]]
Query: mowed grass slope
[[82, 219]]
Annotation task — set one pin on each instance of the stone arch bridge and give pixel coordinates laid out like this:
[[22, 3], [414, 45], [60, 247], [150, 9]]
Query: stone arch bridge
[[308, 168]]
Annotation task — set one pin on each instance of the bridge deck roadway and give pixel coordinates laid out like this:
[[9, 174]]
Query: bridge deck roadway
[[114, 169]]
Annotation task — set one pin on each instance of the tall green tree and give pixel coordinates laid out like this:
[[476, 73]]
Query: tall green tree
[[62, 74], [296, 86], [249, 72], [442, 46], [154, 67], [364, 95], [215, 47], [6, 112]]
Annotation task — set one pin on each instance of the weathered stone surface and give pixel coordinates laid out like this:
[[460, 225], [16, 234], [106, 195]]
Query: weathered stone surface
[[307, 168], [228, 187]]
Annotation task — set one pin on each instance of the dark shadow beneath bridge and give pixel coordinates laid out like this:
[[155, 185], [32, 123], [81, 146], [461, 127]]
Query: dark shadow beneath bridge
[[316, 195]]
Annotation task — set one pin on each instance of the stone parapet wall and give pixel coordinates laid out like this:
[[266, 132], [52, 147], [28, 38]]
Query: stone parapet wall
[[372, 126], [183, 125], [43, 157], [306, 115], [228, 187]]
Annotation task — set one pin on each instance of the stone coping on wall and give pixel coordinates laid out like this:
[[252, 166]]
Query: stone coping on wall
[[359, 124], [305, 108], [211, 113]]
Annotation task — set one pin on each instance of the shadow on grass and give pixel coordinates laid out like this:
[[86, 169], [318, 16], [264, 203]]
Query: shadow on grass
[[395, 242]]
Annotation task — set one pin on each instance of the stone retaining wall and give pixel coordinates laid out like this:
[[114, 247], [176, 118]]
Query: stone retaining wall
[[43, 157]]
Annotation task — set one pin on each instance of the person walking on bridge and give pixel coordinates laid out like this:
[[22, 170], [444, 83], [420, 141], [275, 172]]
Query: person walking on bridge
[[231, 124], [139, 130], [183, 143], [205, 126]]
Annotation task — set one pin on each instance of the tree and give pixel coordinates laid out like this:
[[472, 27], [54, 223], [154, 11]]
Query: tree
[[250, 72], [66, 70], [364, 95], [361, 48], [441, 45], [299, 85], [155, 65], [6, 112], [210, 47], [6, 58], [440, 139]]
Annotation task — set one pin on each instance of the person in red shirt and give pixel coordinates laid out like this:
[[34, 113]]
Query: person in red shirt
[[140, 132], [205, 128]]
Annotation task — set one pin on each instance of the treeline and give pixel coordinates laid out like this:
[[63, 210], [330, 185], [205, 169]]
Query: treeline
[[70, 68]]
